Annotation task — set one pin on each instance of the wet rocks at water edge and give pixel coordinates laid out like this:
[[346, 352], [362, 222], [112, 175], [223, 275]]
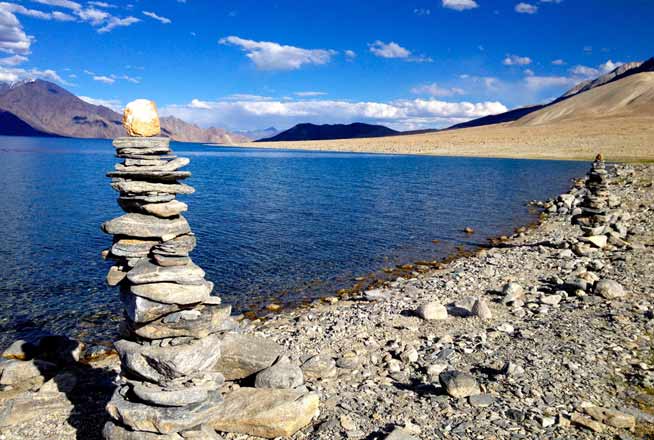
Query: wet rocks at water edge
[[171, 369]]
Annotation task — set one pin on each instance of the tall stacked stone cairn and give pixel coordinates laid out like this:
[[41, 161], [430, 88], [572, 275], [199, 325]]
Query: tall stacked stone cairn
[[179, 343], [599, 218], [170, 340]]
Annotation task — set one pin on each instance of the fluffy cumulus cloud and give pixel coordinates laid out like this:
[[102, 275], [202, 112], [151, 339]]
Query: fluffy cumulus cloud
[[394, 50], [13, 39], [267, 55], [526, 8], [558, 62], [460, 5], [401, 114], [586, 72], [93, 13], [159, 18], [434, 89], [389, 50], [515, 60]]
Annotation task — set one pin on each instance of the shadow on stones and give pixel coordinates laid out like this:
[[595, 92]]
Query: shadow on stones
[[420, 388], [89, 391]]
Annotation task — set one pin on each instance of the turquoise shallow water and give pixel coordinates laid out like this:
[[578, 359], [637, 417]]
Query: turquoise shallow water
[[270, 224]]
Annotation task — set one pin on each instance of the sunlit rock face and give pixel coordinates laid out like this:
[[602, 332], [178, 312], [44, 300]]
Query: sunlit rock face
[[141, 118]]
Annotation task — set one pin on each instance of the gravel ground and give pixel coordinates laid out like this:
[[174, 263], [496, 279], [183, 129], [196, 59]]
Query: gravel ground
[[551, 365]]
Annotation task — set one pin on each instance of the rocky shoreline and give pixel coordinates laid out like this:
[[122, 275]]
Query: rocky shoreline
[[545, 335]]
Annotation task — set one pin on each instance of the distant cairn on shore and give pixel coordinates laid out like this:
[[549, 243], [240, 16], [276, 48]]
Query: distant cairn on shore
[[170, 344], [598, 215]]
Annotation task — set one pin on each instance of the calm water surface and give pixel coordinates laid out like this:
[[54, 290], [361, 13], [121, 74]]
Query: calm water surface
[[270, 224]]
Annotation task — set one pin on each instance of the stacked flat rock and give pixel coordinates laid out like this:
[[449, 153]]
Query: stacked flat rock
[[599, 219], [171, 340]]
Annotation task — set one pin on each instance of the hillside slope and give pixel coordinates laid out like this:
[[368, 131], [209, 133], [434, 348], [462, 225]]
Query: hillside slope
[[632, 95]]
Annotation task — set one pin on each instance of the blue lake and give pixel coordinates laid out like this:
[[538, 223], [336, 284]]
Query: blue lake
[[271, 224]]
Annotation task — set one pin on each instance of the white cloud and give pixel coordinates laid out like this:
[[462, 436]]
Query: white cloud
[[515, 60], [537, 83], [113, 104], [267, 55], [153, 15], [20, 9], [389, 50], [104, 79], [526, 8], [350, 55], [115, 22], [585, 71], [558, 62], [434, 89], [460, 5], [402, 114], [11, 74], [13, 60], [422, 11], [13, 39], [529, 72], [309, 94], [68, 4], [102, 5]]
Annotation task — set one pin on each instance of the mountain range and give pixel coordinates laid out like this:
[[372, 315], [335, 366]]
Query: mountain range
[[42, 108], [313, 132]]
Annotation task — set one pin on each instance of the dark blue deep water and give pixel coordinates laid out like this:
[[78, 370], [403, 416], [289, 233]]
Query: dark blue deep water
[[270, 224]]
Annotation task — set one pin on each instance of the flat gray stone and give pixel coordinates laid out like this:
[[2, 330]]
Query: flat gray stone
[[321, 366], [178, 246], [133, 248], [267, 413], [609, 289], [144, 198], [133, 152], [161, 364], [172, 293], [481, 400], [156, 176], [112, 431], [115, 276], [141, 142], [282, 375], [245, 355], [459, 384], [168, 260], [147, 226], [197, 323], [14, 372], [135, 165], [147, 272], [141, 187], [141, 310], [164, 210], [163, 420], [400, 434], [164, 396]]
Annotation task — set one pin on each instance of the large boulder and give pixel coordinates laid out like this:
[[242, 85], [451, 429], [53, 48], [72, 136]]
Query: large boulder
[[267, 413], [245, 355]]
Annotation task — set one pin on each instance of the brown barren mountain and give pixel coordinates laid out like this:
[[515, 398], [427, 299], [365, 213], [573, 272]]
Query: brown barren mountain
[[616, 118], [51, 109]]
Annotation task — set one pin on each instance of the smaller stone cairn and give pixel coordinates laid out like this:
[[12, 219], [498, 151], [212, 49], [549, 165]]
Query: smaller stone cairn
[[170, 343], [599, 219]]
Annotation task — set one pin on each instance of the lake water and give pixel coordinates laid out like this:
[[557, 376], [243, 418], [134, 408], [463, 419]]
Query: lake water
[[271, 225]]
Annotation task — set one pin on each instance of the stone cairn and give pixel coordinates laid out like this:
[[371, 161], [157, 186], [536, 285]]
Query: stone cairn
[[170, 337], [598, 218]]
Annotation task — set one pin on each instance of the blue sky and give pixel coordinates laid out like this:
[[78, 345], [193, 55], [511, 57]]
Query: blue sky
[[251, 64]]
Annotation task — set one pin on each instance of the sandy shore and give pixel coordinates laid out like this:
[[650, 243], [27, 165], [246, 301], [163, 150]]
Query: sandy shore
[[621, 139]]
